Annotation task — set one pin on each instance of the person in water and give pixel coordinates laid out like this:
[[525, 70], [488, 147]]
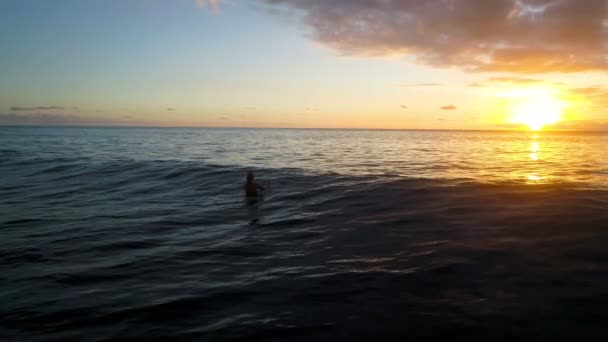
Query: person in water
[[253, 193], [252, 189]]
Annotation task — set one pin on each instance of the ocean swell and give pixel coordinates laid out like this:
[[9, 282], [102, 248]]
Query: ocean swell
[[127, 248]]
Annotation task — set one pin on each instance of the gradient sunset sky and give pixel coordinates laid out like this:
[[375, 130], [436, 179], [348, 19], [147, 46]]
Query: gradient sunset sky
[[433, 64]]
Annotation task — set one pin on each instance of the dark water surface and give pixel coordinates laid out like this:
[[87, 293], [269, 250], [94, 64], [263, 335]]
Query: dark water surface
[[109, 233]]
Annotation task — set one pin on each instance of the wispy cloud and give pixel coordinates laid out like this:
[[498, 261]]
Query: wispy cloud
[[424, 85], [213, 5], [448, 107], [581, 125], [596, 95], [590, 91], [520, 81], [520, 36], [171, 109], [38, 108], [48, 119]]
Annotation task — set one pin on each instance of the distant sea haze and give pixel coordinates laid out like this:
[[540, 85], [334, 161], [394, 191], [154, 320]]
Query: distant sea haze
[[362, 235]]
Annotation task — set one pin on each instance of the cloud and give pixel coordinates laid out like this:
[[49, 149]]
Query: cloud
[[171, 109], [512, 81], [38, 108], [424, 85], [596, 95], [448, 107], [581, 125], [511, 126], [589, 91], [46, 119], [518, 80], [224, 118], [519, 36], [403, 107], [211, 4]]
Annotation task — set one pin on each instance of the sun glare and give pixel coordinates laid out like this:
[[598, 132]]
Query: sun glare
[[536, 109]]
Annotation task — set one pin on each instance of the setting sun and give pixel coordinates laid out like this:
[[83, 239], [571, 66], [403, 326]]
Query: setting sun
[[536, 109]]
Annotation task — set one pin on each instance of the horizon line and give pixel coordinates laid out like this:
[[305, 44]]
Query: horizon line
[[303, 128]]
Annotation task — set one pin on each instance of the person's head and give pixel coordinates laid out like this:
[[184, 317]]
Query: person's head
[[250, 177]]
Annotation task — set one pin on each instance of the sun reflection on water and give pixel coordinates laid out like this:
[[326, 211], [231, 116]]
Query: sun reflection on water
[[521, 157], [534, 149], [535, 178]]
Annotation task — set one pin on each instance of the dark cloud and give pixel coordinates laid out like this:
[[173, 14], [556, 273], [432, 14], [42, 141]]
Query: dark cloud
[[38, 108], [403, 107], [448, 107], [224, 118], [521, 36]]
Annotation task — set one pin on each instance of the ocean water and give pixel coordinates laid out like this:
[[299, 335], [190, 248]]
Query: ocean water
[[122, 233]]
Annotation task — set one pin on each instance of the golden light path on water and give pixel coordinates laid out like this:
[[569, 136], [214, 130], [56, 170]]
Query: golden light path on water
[[535, 178], [515, 157]]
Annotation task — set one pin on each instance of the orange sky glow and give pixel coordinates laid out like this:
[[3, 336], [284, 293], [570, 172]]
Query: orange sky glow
[[457, 64]]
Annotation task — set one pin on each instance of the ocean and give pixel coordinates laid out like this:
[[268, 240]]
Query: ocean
[[363, 235]]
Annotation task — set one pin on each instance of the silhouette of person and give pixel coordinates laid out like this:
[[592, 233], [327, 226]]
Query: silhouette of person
[[252, 189], [253, 193]]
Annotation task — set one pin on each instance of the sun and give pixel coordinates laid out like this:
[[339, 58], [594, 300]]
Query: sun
[[538, 112], [536, 109]]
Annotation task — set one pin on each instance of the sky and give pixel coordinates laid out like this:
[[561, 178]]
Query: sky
[[393, 64]]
